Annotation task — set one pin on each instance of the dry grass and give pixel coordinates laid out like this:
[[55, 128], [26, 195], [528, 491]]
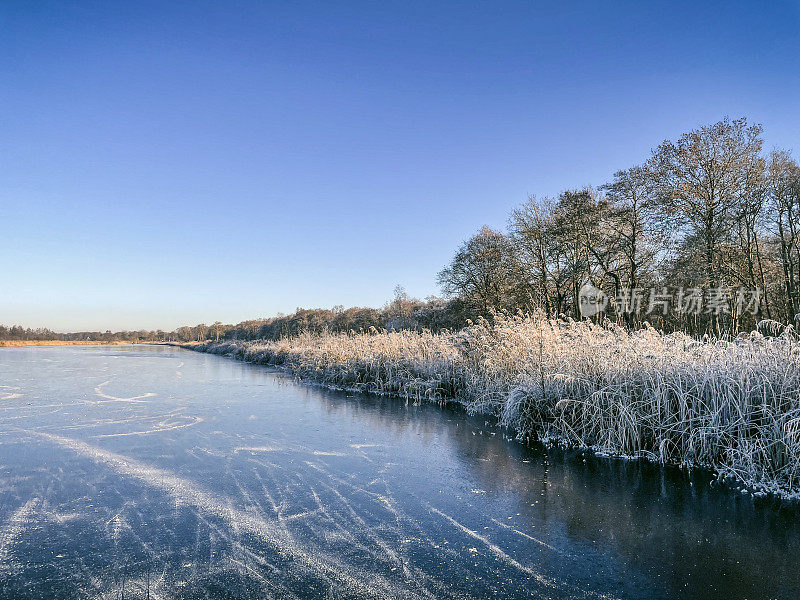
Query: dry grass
[[729, 405]]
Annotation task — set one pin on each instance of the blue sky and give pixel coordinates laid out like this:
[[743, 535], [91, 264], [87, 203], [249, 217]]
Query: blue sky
[[183, 162]]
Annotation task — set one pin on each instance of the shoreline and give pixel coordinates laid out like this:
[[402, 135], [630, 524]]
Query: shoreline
[[25, 343], [284, 360]]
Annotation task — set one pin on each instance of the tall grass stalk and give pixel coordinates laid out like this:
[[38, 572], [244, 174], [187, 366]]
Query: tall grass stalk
[[729, 405]]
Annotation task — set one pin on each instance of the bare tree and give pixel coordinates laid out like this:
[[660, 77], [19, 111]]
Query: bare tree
[[633, 222], [701, 177], [575, 220], [531, 228], [483, 272], [783, 190]]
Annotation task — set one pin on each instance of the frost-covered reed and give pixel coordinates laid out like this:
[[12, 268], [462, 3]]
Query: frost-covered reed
[[729, 405]]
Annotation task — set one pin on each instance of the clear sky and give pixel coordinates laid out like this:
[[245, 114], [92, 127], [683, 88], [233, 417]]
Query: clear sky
[[180, 162]]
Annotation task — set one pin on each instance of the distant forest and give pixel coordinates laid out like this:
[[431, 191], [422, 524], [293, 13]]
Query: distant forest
[[401, 313], [702, 237]]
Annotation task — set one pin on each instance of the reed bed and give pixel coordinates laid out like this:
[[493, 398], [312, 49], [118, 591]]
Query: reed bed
[[730, 405]]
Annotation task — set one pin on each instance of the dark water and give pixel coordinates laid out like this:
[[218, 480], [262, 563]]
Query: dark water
[[150, 470]]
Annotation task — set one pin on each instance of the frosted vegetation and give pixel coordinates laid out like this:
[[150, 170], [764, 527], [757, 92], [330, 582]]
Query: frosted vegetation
[[730, 405]]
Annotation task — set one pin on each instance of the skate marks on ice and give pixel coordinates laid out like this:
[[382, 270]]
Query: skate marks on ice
[[9, 392], [98, 391], [13, 528], [170, 422], [285, 556], [305, 532], [110, 422]]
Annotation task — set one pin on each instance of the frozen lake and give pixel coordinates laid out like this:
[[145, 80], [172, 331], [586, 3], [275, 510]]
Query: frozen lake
[[162, 473]]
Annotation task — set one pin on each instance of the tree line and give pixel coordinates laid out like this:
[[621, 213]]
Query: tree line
[[703, 236], [19, 333], [402, 312]]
